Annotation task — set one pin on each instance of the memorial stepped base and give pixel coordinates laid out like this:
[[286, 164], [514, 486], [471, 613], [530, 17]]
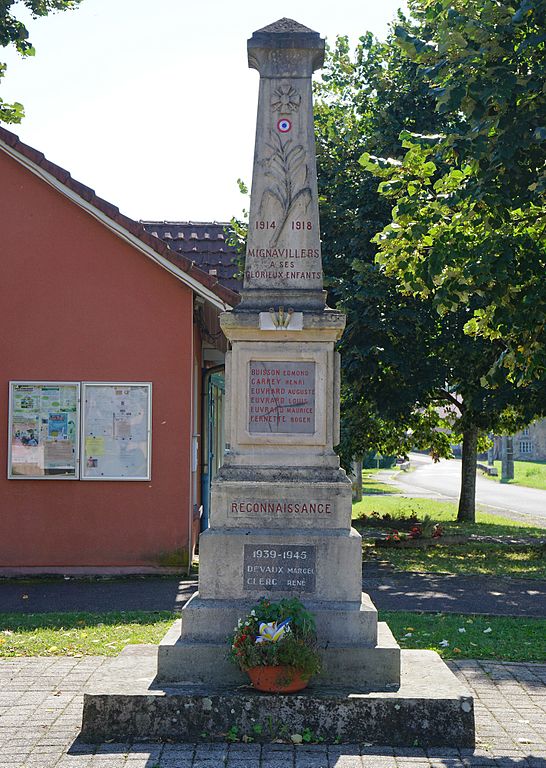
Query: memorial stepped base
[[249, 563], [343, 623], [302, 503], [183, 660], [430, 708]]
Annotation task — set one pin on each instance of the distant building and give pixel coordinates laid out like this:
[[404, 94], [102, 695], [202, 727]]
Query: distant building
[[529, 444]]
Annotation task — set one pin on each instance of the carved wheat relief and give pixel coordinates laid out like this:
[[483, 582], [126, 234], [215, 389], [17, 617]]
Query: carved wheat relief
[[288, 175]]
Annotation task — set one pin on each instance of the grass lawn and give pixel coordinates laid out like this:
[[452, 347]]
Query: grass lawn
[[445, 512], [476, 557], [529, 473], [371, 486], [105, 634], [465, 559], [79, 634], [509, 639]]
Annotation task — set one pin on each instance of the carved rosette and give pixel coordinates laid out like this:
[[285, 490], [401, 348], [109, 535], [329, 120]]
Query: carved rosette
[[286, 99]]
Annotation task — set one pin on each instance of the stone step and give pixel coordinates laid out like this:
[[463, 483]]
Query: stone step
[[125, 702], [363, 667], [342, 623]]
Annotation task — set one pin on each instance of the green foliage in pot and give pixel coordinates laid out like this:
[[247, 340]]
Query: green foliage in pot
[[295, 643]]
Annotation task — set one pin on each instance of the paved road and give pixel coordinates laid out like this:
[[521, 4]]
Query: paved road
[[135, 593], [446, 593], [443, 481], [389, 590], [41, 706]]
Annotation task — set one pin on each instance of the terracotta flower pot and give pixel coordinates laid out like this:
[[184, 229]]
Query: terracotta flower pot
[[277, 679]]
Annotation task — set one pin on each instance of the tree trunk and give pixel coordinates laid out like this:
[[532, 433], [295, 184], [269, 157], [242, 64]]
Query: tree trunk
[[467, 499]]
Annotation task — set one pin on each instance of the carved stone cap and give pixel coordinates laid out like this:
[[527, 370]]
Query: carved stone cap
[[303, 50], [285, 25]]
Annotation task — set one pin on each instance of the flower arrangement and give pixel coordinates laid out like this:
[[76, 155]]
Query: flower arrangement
[[426, 529], [277, 634]]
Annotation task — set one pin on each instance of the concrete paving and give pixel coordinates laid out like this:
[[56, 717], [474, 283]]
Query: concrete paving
[[40, 717]]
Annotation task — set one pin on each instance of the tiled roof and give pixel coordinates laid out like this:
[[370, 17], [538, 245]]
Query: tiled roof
[[202, 242], [136, 229]]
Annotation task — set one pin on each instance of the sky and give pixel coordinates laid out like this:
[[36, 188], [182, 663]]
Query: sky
[[151, 102]]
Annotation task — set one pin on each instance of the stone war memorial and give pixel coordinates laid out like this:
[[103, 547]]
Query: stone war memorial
[[281, 505]]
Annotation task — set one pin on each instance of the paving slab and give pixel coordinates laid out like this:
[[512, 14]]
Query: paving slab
[[519, 687]]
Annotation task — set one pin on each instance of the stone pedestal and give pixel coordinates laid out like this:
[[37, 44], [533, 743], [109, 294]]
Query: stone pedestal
[[430, 708], [281, 511]]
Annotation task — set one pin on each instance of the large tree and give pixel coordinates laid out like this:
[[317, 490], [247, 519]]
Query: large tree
[[14, 32], [405, 367], [470, 218]]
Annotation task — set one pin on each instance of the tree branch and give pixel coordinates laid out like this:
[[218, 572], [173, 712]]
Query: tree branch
[[452, 399]]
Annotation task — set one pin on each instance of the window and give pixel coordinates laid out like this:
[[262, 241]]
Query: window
[[525, 432], [525, 446]]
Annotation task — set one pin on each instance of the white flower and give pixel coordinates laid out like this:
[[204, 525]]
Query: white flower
[[253, 613], [272, 632], [444, 643], [462, 629], [486, 631], [408, 634]]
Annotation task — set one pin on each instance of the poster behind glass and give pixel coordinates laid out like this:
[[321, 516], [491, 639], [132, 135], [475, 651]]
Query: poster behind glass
[[44, 430], [116, 432]]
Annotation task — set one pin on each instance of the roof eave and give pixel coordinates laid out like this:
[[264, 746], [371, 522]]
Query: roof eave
[[218, 298]]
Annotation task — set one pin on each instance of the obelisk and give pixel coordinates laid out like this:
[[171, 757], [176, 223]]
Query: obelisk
[[283, 259], [280, 521]]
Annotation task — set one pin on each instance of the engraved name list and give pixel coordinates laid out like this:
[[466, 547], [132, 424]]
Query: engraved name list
[[281, 397]]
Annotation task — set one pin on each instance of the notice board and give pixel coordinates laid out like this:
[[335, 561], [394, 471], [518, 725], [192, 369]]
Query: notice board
[[44, 425], [116, 431]]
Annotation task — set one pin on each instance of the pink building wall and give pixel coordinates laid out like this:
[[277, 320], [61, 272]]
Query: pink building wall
[[80, 304]]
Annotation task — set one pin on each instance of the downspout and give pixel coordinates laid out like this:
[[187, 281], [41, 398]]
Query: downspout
[[190, 452], [205, 443]]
